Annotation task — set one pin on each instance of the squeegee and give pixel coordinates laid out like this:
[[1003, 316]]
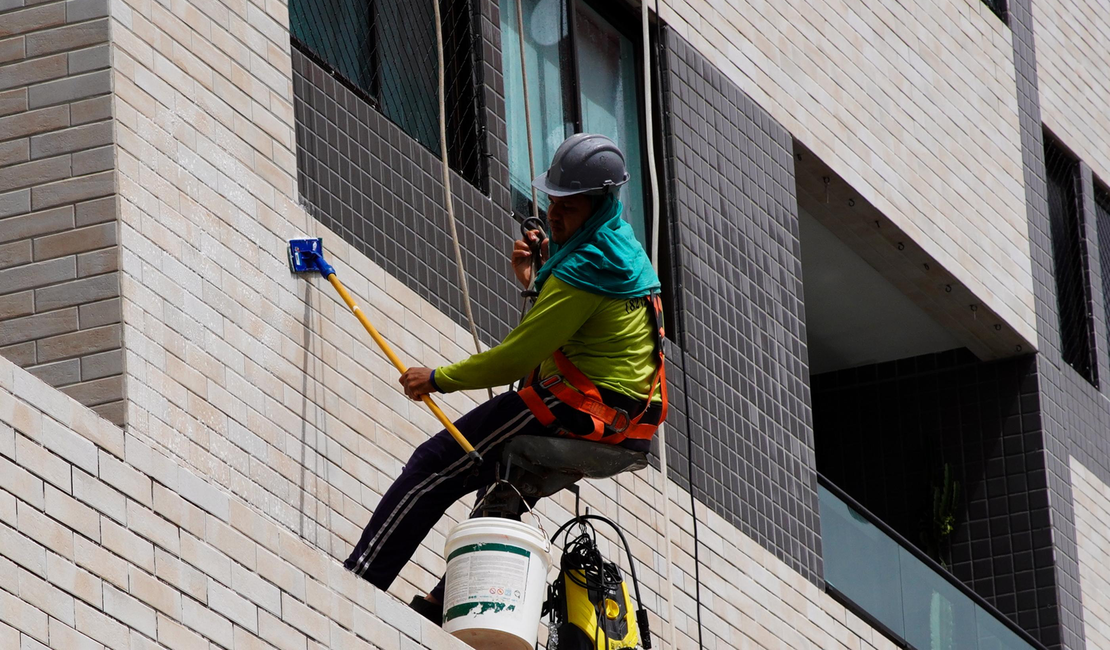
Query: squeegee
[[306, 256]]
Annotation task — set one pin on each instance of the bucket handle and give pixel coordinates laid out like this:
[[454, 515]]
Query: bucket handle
[[535, 517]]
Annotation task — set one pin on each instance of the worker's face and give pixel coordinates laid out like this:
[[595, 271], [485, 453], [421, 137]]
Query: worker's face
[[566, 214]]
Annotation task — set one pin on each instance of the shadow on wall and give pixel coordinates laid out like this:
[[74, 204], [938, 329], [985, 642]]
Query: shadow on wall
[[312, 419]]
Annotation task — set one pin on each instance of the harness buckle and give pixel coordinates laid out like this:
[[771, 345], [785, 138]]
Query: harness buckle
[[550, 381], [620, 421]]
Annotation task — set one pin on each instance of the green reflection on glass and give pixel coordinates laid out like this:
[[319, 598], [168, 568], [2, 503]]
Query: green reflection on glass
[[993, 635], [861, 562], [899, 590], [938, 616]]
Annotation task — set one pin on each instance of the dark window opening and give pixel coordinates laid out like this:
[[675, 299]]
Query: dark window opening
[[1102, 222], [1069, 252], [999, 8], [385, 50]]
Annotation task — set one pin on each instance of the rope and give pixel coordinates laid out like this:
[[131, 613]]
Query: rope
[[530, 289], [527, 108], [653, 179], [447, 186]]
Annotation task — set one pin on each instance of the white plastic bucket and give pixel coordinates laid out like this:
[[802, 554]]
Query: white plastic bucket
[[496, 583]]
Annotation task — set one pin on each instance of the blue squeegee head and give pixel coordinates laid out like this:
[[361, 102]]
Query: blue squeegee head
[[300, 263]]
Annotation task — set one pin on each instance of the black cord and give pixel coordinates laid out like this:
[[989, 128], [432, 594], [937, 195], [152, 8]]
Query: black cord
[[584, 547], [679, 313]]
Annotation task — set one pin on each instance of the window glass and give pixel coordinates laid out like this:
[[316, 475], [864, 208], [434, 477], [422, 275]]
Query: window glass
[[405, 35], [1069, 250], [544, 30], [1102, 224], [336, 30], [609, 101], [387, 50], [586, 79]]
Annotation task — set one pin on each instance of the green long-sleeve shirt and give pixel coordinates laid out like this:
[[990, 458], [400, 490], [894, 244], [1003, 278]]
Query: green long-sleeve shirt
[[610, 340]]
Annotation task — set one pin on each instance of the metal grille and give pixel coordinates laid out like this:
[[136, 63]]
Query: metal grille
[[386, 51], [1102, 221], [998, 7], [1069, 251]]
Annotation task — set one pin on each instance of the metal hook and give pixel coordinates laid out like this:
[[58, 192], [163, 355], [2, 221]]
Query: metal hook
[[501, 481]]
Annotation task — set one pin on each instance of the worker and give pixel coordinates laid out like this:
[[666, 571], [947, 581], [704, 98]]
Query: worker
[[593, 340]]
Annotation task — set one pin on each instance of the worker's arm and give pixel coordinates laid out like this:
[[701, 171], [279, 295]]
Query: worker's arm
[[558, 313]]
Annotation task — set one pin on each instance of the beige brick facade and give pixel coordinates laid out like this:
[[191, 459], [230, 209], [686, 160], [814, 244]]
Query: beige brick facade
[[1092, 534], [260, 385], [1073, 73], [105, 541], [59, 288], [261, 424], [102, 545], [913, 104]]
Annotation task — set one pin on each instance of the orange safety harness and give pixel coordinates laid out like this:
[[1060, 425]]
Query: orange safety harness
[[611, 425]]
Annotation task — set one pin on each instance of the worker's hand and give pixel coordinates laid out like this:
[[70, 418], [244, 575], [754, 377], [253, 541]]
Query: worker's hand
[[522, 256], [417, 382]]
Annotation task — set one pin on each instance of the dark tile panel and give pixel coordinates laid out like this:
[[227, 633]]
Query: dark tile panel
[[361, 176], [730, 171], [1075, 416], [676, 433]]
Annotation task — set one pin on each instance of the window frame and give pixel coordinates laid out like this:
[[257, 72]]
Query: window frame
[[1080, 355], [1000, 8], [619, 15], [474, 170], [1101, 218]]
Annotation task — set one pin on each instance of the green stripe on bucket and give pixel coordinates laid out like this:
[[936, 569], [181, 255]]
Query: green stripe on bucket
[[474, 548], [482, 606]]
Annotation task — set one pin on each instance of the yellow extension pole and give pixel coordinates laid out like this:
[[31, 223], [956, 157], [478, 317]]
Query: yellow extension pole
[[447, 424]]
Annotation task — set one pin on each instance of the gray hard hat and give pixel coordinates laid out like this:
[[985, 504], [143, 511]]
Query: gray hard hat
[[585, 162]]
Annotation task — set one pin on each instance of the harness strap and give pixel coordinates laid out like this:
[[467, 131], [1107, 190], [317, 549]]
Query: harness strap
[[582, 395], [535, 404], [599, 412]]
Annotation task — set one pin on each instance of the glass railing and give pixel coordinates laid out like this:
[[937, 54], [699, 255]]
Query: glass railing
[[920, 605]]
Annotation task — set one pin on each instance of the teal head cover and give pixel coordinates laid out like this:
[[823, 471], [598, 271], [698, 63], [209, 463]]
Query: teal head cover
[[602, 257]]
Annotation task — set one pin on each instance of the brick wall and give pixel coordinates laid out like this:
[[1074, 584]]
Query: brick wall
[[734, 225], [263, 385], [1075, 415], [104, 541], [382, 191], [912, 104], [1073, 71], [1092, 523], [107, 541], [59, 290]]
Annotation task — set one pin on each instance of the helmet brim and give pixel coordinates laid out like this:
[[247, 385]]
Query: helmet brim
[[542, 184]]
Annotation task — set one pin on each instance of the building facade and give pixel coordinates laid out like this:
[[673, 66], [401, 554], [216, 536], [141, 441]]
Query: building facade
[[883, 240]]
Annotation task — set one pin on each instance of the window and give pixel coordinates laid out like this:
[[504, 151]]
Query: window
[[1069, 252], [998, 7], [386, 51], [582, 77], [1102, 221]]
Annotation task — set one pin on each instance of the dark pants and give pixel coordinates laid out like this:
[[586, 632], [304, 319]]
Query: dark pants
[[439, 473]]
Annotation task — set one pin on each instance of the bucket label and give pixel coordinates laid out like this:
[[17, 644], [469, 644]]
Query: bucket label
[[485, 578]]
